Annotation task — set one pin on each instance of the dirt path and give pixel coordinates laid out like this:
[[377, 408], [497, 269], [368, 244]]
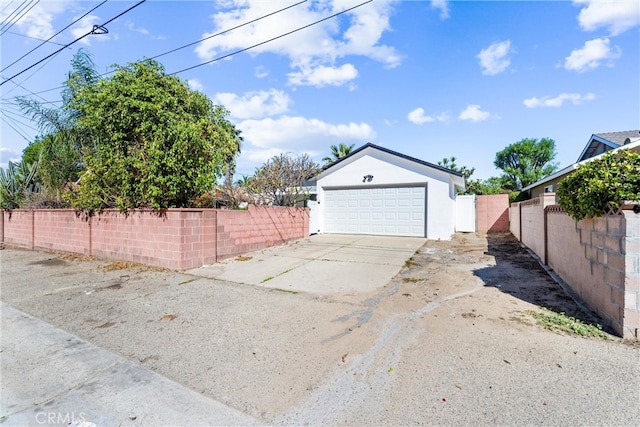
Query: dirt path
[[449, 341]]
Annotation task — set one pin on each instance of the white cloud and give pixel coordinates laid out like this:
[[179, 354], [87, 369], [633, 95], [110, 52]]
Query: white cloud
[[474, 114], [8, 155], [616, 15], [323, 75], [357, 32], [195, 84], [38, 22], [545, 101], [418, 117], [592, 55], [268, 137], [142, 30], [261, 72], [442, 6], [255, 105], [494, 59]]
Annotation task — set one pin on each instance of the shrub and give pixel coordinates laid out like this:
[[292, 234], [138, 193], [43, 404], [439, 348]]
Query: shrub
[[601, 185]]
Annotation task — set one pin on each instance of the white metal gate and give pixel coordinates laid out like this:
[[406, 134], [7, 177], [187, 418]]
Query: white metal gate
[[314, 216], [466, 213]]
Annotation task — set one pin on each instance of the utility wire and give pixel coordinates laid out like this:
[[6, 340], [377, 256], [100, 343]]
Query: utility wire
[[270, 40], [6, 120], [20, 17], [45, 41], [192, 43], [229, 29], [8, 4], [34, 38], [44, 64], [8, 18], [5, 111], [97, 29]]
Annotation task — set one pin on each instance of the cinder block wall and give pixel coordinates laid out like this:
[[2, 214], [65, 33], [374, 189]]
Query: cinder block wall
[[18, 228], [172, 240], [492, 213], [60, 230], [598, 259], [178, 239], [259, 227], [514, 220], [532, 226]]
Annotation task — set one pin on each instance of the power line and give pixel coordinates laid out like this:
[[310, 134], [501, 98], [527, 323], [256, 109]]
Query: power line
[[5, 111], [228, 30], [190, 44], [45, 41], [6, 20], [20, 17], [34, 38], [6, 120], [97, 29], [8, 4], [270, 40], [32, 74]]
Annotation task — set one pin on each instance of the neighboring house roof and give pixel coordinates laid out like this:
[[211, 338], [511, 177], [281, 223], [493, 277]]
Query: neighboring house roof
[[627, 143], [388, 151], [608, 141]]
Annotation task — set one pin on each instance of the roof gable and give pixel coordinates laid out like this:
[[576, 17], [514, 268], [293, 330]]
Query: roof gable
[[630, 143], [602, 142], [387, 151]]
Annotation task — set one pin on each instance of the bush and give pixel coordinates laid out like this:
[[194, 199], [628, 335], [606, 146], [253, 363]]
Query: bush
[[601, 185]]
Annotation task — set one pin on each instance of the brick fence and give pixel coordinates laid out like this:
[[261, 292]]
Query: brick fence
[[598, 258], [178, 239], [492, 213]]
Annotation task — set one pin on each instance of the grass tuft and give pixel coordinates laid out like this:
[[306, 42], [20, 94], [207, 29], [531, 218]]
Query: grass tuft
[[554, 321]]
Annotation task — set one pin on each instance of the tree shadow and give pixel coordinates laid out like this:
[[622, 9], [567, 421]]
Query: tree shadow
[[518, 273]]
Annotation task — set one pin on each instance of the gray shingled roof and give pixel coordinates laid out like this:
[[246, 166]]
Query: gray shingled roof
[[619, 137]]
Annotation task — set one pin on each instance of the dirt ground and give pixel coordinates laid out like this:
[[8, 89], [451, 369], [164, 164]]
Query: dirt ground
[[449, 341]]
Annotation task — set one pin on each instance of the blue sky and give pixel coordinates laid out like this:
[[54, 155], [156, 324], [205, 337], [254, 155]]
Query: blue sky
[[430, 79]]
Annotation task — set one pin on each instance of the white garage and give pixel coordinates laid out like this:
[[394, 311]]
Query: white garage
[[378, 191]]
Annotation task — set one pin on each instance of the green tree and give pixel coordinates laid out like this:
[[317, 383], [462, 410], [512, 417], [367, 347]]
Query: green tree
[[59, 152], [526, 161], [51, 120], [337, 152], [280, 180], [155, 143], [450, 163], [600, 185]]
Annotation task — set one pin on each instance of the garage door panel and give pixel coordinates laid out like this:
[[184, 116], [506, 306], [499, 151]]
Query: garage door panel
[[398, 211]]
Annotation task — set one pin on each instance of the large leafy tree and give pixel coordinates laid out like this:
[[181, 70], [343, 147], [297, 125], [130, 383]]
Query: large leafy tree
[[338, 151], [154, 142], [280, 180], [526, 161]]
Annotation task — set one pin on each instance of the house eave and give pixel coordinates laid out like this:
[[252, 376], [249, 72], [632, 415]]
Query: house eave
[[574, 166], [325, 170]]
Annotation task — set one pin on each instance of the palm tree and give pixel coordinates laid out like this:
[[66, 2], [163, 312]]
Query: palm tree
[[338, 151]]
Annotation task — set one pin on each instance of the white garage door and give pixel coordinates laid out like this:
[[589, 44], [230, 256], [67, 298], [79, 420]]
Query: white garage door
[[395, 211]]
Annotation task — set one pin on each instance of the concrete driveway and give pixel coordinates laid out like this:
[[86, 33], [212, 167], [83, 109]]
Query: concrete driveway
[[320, 264]]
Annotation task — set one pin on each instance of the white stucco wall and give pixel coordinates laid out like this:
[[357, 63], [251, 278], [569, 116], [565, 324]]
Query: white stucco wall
[[391, 170]]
